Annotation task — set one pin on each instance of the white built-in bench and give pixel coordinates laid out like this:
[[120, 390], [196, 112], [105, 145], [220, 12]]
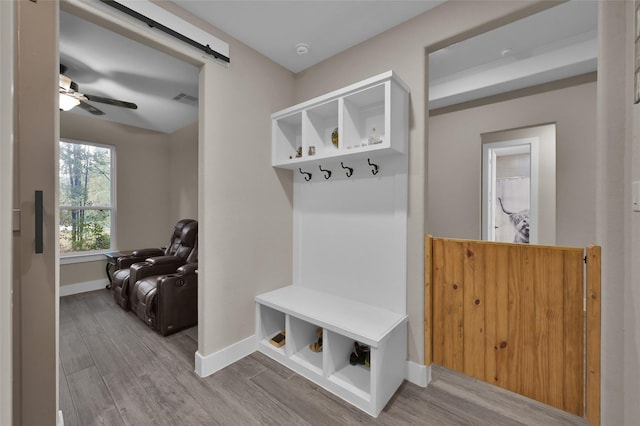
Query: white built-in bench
[[348, 153], [300, 311]]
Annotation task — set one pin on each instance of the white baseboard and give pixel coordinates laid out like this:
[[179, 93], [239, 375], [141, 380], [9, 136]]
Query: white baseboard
[[67, 290], [207, 365], [418, 374], [60, 420]]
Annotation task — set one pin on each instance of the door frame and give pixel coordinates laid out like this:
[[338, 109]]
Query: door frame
[[209, 69], [489, 154], [7, 48]]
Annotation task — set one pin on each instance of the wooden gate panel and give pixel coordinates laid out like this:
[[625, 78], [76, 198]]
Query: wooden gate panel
[[511, 315]]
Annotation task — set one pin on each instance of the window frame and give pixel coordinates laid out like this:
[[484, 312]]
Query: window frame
[[92, 255]]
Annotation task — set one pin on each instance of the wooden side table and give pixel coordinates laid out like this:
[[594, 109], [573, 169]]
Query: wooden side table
[[112, 262]]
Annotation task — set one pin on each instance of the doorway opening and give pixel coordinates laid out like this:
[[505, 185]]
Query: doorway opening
[[510, 188]]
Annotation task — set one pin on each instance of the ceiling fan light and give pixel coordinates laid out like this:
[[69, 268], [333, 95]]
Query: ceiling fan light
[[67, 102]]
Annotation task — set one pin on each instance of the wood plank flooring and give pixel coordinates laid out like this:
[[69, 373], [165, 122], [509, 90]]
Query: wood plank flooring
[[114, 370]]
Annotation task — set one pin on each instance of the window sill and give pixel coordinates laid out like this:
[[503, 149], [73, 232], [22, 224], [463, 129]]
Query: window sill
[[68, 259]]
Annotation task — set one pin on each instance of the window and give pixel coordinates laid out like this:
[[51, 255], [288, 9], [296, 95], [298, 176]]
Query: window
[[86, 197]]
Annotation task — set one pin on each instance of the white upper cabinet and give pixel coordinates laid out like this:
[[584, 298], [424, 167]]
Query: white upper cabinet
[[367, 117]]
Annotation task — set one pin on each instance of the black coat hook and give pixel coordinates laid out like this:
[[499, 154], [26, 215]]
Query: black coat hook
[[307, 175], [375, 168], [327, 173], [348, 169]]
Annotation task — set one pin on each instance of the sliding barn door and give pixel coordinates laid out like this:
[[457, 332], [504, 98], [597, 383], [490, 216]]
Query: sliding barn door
[[511, 315]]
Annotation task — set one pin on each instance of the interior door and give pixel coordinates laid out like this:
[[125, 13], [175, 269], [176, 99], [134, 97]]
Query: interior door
[[35, 270]]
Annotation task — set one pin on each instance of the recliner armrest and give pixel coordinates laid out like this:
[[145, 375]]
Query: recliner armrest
[[148, 252], [165, 260], [161, 265], [188, 269]]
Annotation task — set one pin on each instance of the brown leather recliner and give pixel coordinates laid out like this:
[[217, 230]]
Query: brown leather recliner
[[166, 297], [120, 284]]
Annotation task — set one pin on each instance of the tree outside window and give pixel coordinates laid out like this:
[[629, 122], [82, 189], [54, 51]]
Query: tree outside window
[[86, 194]]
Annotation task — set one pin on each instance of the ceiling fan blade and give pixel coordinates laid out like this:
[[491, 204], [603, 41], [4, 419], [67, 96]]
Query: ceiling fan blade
[[90, 108], [110, 101]]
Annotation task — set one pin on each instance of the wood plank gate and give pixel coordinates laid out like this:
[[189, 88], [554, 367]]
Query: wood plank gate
[[513, 315]]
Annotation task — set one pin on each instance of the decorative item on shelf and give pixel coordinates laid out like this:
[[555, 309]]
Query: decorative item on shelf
[[348, 169], [299, 152], [312, 150], [307, 175], [361, 355], [278, 340], [374, 167], [334, 137], [327, 173], [374, 139], [317, 345]]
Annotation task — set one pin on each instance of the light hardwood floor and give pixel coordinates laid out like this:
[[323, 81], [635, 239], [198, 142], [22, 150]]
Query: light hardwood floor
[[114, 370]]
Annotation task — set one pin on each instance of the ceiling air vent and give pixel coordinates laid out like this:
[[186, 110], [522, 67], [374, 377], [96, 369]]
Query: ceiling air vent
[[183, 98]]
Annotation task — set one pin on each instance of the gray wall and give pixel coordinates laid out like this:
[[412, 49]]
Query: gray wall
[[454, 179]]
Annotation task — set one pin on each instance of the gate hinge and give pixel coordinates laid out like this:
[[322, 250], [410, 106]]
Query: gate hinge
[[585, 260]]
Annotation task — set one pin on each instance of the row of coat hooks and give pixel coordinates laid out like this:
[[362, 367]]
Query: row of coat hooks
[[348, 170]]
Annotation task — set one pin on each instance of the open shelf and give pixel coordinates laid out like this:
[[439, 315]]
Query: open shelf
[[301, 335], [271, 322], [321, 123], [364, 118], [288, 132], [354, 378], [368, 116]]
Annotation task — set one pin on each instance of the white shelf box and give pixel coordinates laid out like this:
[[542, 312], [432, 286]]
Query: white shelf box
[[354, 378], [321, 121], [380, 103], [286, 137], [299, 337], [364, 117], [271, 322]]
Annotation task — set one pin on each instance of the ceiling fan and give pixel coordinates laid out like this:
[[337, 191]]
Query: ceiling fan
[[70, 97]]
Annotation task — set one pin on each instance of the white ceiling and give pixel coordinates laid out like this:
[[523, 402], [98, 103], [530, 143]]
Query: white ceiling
[[106, 64], [557, 43]]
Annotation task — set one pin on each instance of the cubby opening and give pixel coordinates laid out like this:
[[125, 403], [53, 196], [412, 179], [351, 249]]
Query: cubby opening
[[302, 334], [287, 137], [355, 378], [364, 118], [271, 323], [322, 123]]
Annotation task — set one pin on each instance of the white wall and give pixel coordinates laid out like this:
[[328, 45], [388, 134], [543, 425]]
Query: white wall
[[455, 161]]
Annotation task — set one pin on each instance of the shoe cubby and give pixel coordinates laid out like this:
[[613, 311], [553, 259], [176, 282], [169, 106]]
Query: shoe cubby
[[355, 378], [270, 323], [300, 336], [369, 116]]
